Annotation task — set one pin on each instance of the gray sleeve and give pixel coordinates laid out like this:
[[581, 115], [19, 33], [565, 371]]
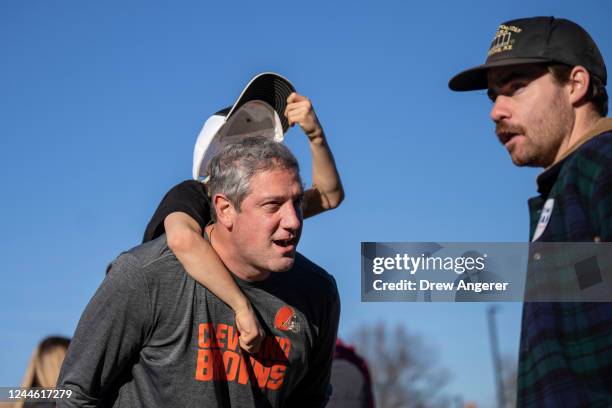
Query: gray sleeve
[[109, 335], [314, 389]]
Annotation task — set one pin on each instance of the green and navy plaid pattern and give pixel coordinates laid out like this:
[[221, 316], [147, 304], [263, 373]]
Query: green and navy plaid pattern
[[565, 357]]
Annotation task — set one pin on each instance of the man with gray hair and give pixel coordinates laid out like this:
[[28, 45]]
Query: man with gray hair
[[153, 337]]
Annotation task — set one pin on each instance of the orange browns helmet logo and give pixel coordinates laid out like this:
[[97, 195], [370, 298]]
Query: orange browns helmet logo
[[286, 320]]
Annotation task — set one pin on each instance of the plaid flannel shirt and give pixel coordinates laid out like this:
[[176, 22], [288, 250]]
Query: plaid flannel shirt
[[565, 357]]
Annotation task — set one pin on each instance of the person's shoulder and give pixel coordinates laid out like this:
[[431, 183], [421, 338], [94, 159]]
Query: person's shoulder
[[151, 251], [189, 197], [188, 191], [597, 150], [144, 259], [190, 187], [314, 275], [590, 163]]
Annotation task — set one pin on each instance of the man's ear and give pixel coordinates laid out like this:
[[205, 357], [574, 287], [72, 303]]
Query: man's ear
[[579, 81], [224, 210]]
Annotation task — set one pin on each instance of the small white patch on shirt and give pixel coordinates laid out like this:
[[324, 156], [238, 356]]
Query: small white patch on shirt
[[544, 218]]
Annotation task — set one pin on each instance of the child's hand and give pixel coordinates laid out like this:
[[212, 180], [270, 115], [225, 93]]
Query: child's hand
[[251, 332], [299, 110]]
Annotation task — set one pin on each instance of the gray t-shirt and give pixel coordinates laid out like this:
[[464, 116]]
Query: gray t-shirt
[[153, 337]]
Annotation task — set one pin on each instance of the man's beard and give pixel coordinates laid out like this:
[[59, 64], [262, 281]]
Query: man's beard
[[542, 138]]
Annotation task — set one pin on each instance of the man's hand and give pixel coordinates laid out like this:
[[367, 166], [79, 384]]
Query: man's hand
[[251, 332], [299, 110]]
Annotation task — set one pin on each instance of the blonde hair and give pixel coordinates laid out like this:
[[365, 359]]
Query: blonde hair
[[45, 364]]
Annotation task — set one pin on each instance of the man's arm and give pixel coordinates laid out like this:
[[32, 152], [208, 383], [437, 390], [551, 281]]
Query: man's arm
[[110, 333], [327, 192], [314, 389]]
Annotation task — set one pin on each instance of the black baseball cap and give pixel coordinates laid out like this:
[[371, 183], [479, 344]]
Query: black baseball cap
[[259, 110], [535, 40], [270, 88]]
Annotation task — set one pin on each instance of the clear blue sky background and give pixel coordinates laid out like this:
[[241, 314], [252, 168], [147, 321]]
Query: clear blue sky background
[[100, 104]]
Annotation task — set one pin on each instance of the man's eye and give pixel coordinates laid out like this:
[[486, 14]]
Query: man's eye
[[514, 88], [272, 206], [509, 89]]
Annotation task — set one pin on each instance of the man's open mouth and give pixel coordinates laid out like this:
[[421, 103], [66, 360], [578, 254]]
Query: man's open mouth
[[285, 242], [505, 137]]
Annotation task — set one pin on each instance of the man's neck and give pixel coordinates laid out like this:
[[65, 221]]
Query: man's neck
[[584, 121], [219, 239]]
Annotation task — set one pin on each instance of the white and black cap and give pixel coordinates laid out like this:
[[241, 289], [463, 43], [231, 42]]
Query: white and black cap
[[259, 110]]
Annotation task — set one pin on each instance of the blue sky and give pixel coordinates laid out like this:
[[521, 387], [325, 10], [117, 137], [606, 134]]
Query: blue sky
[[101, 103]]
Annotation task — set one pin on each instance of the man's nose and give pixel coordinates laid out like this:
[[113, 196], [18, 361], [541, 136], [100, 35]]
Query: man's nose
[[291, 217], [501, 109]]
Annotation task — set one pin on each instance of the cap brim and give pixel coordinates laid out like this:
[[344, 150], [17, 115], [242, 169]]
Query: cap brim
[[254, 117], [476, 78], [268, 87]]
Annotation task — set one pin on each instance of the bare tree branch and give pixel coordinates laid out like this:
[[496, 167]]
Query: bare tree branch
[[405, 370]]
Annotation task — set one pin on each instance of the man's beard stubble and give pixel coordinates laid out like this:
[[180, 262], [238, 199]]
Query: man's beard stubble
[[544, 138]]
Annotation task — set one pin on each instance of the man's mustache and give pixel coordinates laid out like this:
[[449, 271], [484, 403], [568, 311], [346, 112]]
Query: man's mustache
[[505, 131], [504, 128]]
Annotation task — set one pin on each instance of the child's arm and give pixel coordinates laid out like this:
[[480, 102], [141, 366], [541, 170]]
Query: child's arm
[[202, 263], [326, 192]]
